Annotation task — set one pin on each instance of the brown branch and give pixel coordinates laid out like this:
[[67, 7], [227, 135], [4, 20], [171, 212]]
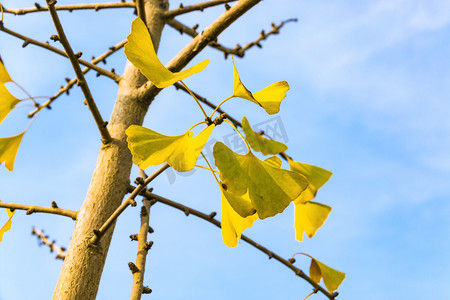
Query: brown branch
[[143, 247], [72, 82], [70, 8], [44, 240], [101, 124], [28, 41], [199, 6], [129, 201], [210, 218], [40, 209]]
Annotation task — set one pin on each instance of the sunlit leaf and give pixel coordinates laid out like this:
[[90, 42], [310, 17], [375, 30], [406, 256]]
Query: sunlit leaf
[[4, 75], [151, 148], [309, 217], [274, 161], [7, 101], [270, 188], [331, 278], [240, 204], [233, 224], [141, 53], [260, 143], [8, 150], [316, 176], [7, 225], [268, 98]]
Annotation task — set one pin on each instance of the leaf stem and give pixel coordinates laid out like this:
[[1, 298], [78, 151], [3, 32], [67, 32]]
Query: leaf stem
[[240, 134], [28, 94], [196, 100], [210, 168], [203, 167], [218, 106], [195, 125]]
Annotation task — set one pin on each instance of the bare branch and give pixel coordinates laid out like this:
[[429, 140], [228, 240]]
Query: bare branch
[[72, 82], [143, 247], [94, 6], [28, 41], [199, 6], [210, 218], [106, 137], [44, 240], [238, 50], [40, 209], [129, 201]]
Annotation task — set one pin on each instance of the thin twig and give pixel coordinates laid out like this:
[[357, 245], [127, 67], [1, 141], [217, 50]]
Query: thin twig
[[238, 50], [199, 6], [210, 218], [44, 240], [94, 6], [47, 46], [40, 209], [129, 201], [106, 137], [72, 82], [143, 247]]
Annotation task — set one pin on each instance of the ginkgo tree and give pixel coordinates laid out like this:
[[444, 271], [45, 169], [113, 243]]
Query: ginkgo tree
[[251, 186]]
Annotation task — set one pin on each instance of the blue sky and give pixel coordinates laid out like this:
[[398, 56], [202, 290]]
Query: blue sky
[[368, 101]]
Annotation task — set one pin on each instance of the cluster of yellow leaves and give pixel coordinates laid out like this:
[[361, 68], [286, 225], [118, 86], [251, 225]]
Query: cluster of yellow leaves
[[251, 188]]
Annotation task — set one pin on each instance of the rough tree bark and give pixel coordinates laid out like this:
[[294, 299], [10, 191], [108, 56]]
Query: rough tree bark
[[82, 268]]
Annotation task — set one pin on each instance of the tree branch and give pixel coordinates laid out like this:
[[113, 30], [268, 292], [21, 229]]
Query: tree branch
[[44, 240], [101, 124], [72, 82], [210, 218], [129, 201], [28, 41], [199, 6], [40, 209], [70, 8]]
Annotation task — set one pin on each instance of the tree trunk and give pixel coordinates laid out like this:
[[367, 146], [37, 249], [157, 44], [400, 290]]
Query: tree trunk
[[83, 265]]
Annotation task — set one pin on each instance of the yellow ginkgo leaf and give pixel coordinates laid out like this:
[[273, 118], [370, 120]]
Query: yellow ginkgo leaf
[[268, 98], [240, 204], [331, 278], [260, 143], [8, 150], [233, 225], [141, 53], [269, 187], [7, 225], [151, 148], [316, 176], [7, 101], [4, 75], [309, 217]]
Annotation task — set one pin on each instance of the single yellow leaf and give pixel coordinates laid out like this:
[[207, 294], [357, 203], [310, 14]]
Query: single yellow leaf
[[268, 98], [331, 278], [151, 148], [269, 187], [8, 150], [7, 101], [4, 75], [141, 53], [240, 204], [309, 217], [7, 225], [316, 176], [260, 143], [233, 225]]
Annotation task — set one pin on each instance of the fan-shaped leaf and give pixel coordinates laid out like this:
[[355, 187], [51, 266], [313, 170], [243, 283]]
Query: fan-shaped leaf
[[331, 278], [233, 224], [270, 188], [268, 98], [7, 101], [309, 217], [260, 143], [240, 204], [7, 225], [151, 148], [8, 150], [4, 75], [141, 53]]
